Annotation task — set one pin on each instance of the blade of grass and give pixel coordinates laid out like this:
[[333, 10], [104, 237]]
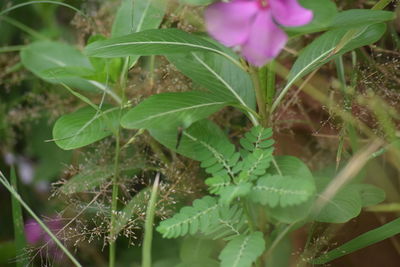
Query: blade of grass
[[19, 236], [148, 227], [374, 236], [15, 194]]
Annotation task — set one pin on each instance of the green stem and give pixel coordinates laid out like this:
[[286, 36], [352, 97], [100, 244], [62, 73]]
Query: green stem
[[114, 202], [148, 227], [260, 95], [270, 83], [13, 48], [15, 194]]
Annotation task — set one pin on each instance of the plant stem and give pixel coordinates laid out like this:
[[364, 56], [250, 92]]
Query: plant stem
[[114, 201], [260, 95], [148, 227], [13, 48]]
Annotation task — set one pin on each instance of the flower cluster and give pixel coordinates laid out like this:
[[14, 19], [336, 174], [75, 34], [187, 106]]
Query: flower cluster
[[253, 25]]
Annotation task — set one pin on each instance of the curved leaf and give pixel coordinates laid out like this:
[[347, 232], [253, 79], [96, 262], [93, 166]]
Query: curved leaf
[[172, 110], [57, 62], [84, 127]]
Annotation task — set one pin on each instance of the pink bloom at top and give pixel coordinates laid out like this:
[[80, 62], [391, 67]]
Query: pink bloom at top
[[252, 25]]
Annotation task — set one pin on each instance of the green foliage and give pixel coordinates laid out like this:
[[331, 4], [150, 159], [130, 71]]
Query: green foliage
[[84, 127], [243, 250], [172, 110], [150, 42], [348, 202], [367, 239], [58, 63], [275, 190], [200, 217]]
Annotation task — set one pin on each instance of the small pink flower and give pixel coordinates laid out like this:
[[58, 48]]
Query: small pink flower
[[252, 25], [36, 235]]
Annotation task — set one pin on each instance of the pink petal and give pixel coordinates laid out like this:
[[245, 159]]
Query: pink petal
[[33, 232], [265, 41], [229, 23], [290, 13]]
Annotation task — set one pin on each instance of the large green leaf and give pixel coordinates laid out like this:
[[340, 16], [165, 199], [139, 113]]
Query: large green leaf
[[58, 63], [322, 49], [153, 42], [295, 168], [135, 16], [203, 130], [325, 48], [84, 127], [345, 205], [276, 190], [171, 110], [243, 250], [360, 17], [217, 74], [367, 239]]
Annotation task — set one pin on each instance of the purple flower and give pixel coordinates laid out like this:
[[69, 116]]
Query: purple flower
[[36, 235], [252, 25]]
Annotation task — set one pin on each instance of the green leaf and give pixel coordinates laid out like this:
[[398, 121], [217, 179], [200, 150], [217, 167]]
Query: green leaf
[[199, 263], [369, 238], [324, 12], [327, 47], [190, 220], [275, 190], [18, 222], [57, 63], [135, 16], [321, 50], [150, 42], [204, 130], [172, 110], [361, 17], [295, 168], [84, 127], [231, 223], [216, 183], [154, 42], [370, 194], [230, 192], [345, 205], [243, 250], [217, 74]]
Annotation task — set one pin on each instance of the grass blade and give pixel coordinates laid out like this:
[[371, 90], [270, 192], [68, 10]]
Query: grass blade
[[19, 236], [369, 238]]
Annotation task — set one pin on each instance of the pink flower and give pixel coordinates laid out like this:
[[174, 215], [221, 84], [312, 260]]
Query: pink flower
[[252, 25]]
